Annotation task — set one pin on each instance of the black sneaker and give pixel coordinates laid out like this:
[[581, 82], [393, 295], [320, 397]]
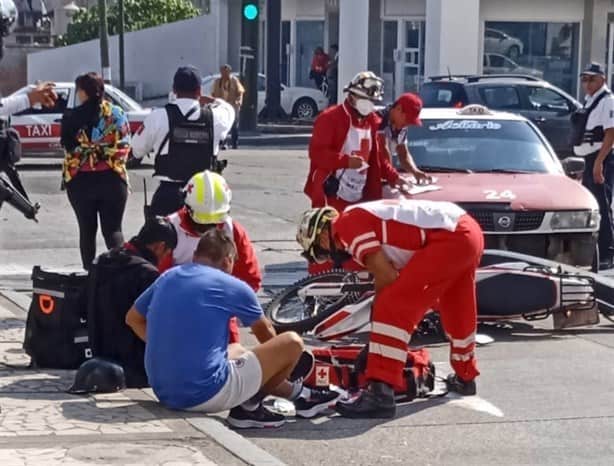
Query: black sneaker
[[319, 400], [376, 402], [455, 384], [241, 418]]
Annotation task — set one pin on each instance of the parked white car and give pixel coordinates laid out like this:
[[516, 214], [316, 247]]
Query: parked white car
[[495, 63], [39, 128], [496, 41], [300, 102]]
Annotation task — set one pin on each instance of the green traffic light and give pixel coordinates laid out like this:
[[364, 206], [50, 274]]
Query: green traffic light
[[250, 11]]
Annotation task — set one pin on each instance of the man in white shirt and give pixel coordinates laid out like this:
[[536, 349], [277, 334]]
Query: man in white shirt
[[177, 159], [597, 140]]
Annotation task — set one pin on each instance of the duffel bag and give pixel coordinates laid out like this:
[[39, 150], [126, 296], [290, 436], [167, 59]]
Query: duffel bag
[[56, 327], [344, 366]]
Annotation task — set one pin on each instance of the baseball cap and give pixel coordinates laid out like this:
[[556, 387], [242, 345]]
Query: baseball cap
[[187, 79], [593, 69], [411, 105]]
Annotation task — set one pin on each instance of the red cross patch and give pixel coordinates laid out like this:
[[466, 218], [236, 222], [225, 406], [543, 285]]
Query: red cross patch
[[189, 188], [322, 376]]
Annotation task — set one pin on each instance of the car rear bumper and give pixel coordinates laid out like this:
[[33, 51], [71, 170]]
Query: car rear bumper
[[576, 249]]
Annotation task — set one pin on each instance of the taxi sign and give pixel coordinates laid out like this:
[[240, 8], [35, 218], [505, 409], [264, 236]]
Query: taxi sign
[[475, 109]]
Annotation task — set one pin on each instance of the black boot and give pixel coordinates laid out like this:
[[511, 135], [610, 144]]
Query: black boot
[[455, 384], [377, 401]]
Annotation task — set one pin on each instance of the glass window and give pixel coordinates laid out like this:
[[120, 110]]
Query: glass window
[[547, 99], [443, 94], [544, 50], [479, 145], [501, 97]]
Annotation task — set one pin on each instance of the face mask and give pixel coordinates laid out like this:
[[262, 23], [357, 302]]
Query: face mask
[[364, 106]]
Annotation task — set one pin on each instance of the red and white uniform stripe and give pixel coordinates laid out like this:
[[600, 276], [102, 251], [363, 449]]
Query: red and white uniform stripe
[[436, 248]]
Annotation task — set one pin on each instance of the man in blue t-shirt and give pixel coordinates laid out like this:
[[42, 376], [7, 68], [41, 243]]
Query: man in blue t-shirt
[[184, 318]]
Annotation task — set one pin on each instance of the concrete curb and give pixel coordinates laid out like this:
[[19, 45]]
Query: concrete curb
[[234, 443]]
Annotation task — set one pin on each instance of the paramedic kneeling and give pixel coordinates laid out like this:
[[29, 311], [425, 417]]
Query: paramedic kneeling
[[423, 255], [184, 318]]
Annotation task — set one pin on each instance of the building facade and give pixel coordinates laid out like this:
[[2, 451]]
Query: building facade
[[405, 41]]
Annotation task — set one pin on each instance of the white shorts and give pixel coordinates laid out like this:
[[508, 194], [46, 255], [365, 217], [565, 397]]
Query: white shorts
[[244, 381]]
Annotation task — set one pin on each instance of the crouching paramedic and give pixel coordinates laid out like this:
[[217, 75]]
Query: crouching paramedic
[[184, 318], [423, 255], [207, 207]]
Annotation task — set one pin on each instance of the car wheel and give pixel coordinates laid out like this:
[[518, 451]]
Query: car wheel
[[513, 52], [305, 109]]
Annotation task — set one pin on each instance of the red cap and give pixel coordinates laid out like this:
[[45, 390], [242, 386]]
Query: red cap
[[411, 104]]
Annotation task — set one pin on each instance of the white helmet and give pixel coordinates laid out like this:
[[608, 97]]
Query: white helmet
[[310, 226], [207, 197], [367, 85]]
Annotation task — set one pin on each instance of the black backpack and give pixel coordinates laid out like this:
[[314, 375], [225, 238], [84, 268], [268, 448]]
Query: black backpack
[[56, 327]]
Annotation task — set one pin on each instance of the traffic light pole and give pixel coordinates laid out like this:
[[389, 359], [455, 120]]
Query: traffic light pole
[[104, 41], [272, 109], [248, 118]]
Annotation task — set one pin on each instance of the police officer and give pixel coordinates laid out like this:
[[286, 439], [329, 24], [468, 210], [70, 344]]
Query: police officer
[[595, 145], [177, 161]]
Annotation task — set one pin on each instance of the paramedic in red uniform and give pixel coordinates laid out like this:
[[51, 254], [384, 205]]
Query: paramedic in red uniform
[[346, 166], [207, 206], [423, 255]]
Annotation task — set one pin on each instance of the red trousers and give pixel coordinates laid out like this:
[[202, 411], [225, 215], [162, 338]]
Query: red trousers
[[439, 276]]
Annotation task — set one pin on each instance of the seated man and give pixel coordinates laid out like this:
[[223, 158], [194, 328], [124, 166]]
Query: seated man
[[184, 318], [116, 280], [422, 255], [207, 206]]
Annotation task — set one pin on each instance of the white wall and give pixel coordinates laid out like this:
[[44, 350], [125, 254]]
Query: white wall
[[353, 40], [302, 9], [152, 55], [395, 8], [532, 10], [452, 37]]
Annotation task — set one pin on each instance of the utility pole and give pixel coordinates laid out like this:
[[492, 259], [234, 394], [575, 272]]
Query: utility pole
[[122, 70], [104, 41], [272, 109], [248, 119]]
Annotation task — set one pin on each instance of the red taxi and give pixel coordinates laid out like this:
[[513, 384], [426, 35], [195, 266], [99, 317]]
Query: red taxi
[[39, 128], [501, 169]]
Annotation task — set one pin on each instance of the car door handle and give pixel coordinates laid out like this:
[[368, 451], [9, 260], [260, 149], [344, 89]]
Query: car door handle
[[539, 120], [57, 120]]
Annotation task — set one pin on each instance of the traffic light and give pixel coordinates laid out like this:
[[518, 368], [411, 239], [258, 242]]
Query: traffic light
[[251, 11]]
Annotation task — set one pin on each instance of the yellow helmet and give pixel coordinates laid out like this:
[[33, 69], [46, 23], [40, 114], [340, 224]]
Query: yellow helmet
[[207, 197], [311, 224]]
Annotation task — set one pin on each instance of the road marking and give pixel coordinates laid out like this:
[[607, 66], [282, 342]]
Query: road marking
[[473, 403]]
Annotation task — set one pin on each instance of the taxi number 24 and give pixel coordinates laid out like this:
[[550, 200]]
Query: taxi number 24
[[492, 194]]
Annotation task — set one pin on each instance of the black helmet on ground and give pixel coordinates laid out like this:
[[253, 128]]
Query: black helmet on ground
[[98, 375]]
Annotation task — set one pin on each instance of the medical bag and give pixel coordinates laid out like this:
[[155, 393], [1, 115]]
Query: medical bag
[[344, 366]]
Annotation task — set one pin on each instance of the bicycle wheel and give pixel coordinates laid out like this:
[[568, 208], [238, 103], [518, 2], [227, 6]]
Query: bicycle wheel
[[288, 312]]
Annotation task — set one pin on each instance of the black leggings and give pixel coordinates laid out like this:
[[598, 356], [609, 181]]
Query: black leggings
[[98, 193]]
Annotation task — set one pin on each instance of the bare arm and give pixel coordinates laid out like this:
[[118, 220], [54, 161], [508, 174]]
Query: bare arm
[[263, 329], [381, 268], [137, 323], [608, 143]]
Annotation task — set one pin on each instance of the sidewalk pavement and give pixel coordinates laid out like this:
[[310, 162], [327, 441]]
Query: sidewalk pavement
[[40, 424]]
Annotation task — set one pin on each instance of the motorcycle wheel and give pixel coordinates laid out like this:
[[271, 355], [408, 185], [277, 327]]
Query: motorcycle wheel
[[288, 312]]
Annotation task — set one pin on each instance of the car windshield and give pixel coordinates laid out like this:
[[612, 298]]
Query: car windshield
[[479, 146]]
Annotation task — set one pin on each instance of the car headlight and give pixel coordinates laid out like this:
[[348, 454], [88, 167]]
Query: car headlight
[[575, 220]]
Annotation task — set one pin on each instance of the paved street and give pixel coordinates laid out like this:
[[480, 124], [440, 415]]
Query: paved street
[[544, 397]]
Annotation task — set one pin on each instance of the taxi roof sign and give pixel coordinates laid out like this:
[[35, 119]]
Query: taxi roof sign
[[475, 109]]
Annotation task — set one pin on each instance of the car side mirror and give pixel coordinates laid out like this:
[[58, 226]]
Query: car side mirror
[[573, 166]]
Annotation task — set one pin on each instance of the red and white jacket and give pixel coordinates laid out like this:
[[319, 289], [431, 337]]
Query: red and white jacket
[[397, 227], [326, 156], [246, 266]]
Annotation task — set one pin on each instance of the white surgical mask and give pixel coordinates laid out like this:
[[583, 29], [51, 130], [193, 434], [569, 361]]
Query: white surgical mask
[[364, 106]]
